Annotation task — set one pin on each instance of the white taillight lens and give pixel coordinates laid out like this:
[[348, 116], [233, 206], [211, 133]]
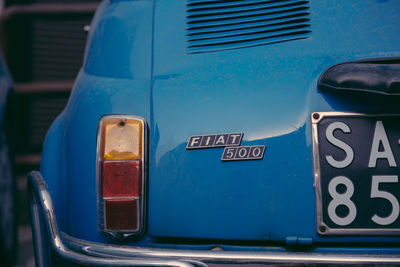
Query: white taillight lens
[[121, 175], [122, 139]]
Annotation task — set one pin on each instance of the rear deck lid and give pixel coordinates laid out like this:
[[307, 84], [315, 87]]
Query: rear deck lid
[[265, 91]]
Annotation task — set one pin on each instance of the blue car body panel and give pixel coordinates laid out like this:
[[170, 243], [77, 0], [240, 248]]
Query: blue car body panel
[[138, 62]]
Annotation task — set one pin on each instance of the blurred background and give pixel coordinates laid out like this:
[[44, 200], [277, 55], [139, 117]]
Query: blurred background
[[43, 43]]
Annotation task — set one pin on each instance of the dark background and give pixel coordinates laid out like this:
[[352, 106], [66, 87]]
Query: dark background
[[43, 44]]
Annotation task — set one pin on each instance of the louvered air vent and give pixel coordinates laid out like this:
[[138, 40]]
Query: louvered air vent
[[214, 25]]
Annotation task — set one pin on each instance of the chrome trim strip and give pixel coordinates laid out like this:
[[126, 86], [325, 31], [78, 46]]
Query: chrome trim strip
[[89, 253], [36, 233], [228, 257]]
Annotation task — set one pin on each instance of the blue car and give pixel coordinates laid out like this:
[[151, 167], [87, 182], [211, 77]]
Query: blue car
[[227, 132]]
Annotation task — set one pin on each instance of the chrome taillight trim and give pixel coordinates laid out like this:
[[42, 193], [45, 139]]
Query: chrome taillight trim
[[122, 234]]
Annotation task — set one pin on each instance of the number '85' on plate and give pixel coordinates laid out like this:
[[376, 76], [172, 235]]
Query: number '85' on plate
[[356, 172]]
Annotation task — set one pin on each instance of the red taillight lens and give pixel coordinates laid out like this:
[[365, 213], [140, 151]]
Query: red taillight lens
[[122, 214], [121, 177]]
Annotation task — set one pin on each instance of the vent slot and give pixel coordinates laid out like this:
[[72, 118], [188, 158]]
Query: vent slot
[[214, 25]]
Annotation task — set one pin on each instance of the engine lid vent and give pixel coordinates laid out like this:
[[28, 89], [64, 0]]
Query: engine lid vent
[[214, 25]]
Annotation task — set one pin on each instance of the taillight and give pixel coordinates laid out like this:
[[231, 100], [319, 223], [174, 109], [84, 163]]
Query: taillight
[[121, 175]]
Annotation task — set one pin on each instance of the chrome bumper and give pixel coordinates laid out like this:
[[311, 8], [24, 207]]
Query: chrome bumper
[[81, 252]]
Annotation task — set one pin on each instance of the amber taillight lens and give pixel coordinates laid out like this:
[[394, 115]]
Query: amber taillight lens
[[121, 175]]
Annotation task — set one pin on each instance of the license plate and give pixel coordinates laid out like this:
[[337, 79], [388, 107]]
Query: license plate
[[356, 173]]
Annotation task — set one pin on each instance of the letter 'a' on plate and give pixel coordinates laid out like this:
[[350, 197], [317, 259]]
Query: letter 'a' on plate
[[380, 137]]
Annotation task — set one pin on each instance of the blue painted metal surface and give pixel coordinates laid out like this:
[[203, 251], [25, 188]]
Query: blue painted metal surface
[[137, 62]]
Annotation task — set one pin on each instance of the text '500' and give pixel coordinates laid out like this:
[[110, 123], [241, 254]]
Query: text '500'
[[243, 153]]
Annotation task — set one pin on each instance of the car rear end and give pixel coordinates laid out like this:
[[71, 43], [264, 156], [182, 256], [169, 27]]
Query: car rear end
[[224, 132]]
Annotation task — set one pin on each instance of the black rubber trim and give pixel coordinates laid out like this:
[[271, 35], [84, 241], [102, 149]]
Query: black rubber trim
[[372, 76]]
